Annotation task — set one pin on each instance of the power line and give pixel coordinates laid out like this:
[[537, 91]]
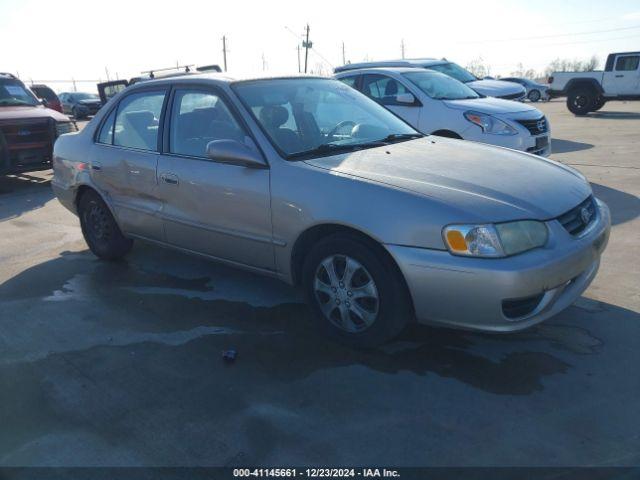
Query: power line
[[538, 37]]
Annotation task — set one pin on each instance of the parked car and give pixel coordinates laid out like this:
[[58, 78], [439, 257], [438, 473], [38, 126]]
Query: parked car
[[48, 97], [589, 91], [80, 104], [437, 104], [27, 129], [487, 87], [535, 91], [309, 181]]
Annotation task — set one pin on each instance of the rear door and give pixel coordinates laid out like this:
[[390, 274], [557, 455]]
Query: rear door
[[384, 90], [626, 76], [125, 158], [212, 208]]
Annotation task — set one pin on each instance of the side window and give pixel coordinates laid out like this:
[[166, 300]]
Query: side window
[[197, 118], [351, 81], [382, 89], [137, 121], [627, 64], [106, 132]]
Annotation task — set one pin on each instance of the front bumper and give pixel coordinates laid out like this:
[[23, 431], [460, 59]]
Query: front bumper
[[469, 293], [524, 142]]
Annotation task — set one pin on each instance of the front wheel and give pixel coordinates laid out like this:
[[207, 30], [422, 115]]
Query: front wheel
[[100, 229], [581, 101], [534, 96], [357, 294], [599, 103]]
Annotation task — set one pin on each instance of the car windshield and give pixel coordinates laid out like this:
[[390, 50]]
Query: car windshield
[[309, 117], [439, 86], [13, 93], [455, 71], [85, 96]]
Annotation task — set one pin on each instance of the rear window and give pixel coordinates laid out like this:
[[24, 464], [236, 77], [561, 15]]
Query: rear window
[[44, 92]]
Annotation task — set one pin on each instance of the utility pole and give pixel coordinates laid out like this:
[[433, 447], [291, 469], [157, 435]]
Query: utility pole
[[264, 63], [344, 61], [298, 48], [224, 51], [106, 70], [307, 45], [402, 47]]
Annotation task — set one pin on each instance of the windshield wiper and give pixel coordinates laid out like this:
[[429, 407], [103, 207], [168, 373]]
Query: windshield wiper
[[326, 148], [399, 136], [13, 103]]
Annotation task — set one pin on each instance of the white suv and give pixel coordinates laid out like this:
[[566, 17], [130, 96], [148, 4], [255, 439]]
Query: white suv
[[437, 104]]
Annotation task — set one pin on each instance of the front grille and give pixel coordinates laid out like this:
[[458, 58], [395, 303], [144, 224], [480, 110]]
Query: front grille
[[27, 143], [513, 96], [576, 220], [535, 127], [520, 307]]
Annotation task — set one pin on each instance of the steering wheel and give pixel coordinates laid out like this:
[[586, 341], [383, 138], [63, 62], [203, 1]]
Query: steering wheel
[[339, 126]]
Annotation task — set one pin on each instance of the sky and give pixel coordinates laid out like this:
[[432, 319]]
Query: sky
[[88, 40]]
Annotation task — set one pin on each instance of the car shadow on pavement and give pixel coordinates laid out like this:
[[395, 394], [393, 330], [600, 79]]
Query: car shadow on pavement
[[603, 114], [23, 192], [624, 206], [565, 146], [165, 327]]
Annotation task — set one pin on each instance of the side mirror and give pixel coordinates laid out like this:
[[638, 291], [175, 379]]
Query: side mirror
[[406, 98], [234, 153]]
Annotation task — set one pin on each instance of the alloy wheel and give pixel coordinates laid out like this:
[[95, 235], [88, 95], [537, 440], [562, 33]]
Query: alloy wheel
[[346, 293]]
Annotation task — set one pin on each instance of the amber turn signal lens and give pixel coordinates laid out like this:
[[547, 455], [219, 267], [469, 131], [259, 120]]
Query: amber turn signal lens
[[456, 241]]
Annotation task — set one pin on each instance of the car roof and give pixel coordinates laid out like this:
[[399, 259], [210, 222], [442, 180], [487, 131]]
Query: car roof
[[406, 62], [221, 78], [360, 71]]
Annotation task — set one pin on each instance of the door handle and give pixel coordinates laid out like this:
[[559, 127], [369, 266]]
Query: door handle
[[619, 76], [169, 178], [96, 166]]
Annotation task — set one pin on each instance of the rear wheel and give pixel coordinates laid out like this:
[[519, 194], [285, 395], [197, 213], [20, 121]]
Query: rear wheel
[[581, 101], [356, 292], [534, 95], [100, 229]]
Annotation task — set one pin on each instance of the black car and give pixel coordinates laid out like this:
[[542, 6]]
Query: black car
[[80, 104]]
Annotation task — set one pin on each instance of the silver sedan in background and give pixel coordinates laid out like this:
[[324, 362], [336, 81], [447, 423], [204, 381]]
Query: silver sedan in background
[[311, 182], [535, 91]]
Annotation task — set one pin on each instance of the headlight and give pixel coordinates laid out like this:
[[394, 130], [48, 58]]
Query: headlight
[[65, 127], [490, 124], [498, 240]]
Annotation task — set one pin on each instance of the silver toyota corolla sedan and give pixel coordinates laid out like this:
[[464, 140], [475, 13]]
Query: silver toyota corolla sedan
[[309, 181]]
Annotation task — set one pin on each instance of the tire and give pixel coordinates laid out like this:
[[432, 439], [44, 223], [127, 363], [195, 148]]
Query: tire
[[100, 230], [534, 96], [346, 308], [581, 101], [599, 103]]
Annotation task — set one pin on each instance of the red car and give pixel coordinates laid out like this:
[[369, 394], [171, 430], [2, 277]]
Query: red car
[[48, 96], [28, 130]]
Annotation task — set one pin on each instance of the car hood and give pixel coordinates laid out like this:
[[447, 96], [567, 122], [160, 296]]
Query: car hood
[[495, 88], [16, 113], [489, 105], [482, 183]]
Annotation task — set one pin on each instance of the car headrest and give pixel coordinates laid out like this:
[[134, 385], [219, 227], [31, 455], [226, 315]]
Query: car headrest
[[391, 89], [140, 119], [273, 116]]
